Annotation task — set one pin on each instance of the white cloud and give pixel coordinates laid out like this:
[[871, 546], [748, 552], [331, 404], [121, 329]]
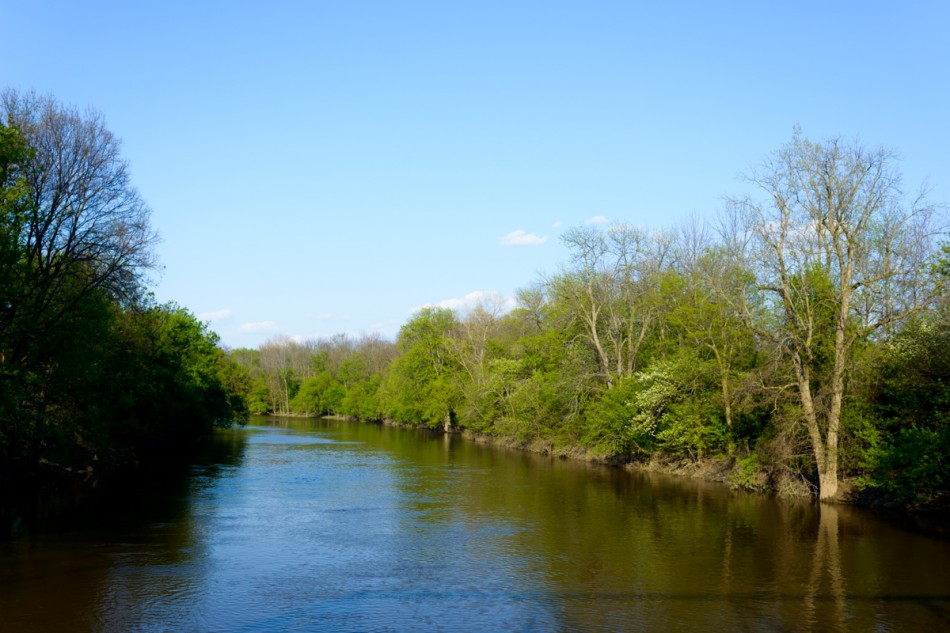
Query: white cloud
[[522, 238], [215, 315], [259, 326], [557, 224], [597, 219], [472, 300]]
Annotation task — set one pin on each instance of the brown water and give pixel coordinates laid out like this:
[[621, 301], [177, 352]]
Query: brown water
[[304, 525]]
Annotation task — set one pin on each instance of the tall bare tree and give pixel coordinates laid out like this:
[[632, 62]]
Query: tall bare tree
[[84, 226], [840, 255]]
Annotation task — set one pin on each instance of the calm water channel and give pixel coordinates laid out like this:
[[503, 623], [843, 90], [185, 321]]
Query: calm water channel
[[313, 525]]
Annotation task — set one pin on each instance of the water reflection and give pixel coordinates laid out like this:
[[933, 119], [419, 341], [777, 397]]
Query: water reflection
[[325, 525]]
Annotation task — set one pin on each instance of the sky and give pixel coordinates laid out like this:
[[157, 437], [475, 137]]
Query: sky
[[316, 168]]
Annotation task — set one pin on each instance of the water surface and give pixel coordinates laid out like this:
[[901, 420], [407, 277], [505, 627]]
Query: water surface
[[316, 525]]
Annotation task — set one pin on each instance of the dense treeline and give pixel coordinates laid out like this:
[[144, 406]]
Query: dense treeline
[[806, 336], [93, 373]]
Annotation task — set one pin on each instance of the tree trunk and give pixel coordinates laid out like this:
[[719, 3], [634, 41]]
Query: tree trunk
[[825, 449], [828, 480]]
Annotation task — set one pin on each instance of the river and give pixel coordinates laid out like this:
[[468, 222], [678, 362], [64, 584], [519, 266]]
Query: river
[[321, 525]]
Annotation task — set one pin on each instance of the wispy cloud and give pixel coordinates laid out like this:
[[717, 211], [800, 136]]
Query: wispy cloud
[[259, 326], [215, 315], [557, 224], [597, 219], [522, 238]]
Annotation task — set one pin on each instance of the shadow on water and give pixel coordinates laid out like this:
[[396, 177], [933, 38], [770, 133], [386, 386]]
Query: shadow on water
[[56, 566], [155, 488]]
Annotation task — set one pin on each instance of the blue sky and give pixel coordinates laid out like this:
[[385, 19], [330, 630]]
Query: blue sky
[[325, 167]]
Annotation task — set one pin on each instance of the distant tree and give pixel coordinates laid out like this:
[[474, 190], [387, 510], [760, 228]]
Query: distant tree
[[284, 364], [422, 386]]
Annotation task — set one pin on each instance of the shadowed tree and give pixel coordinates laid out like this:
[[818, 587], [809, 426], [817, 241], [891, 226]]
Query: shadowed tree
[[76, 240]]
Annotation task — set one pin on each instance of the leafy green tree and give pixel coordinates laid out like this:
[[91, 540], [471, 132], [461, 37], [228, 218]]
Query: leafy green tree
[[550, 380], [172, 378], [706, 315], [15, 155], [91, 372], [258, 398], [422, 386], [909, 454], [362, 400], [319, 395]]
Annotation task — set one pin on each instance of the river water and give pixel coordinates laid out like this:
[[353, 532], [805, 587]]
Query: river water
[[318, 525]]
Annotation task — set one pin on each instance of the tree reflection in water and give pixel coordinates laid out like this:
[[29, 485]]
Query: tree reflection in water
[[826, 577]]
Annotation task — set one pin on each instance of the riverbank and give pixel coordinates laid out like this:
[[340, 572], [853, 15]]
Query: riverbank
[[736, 473], [727, 471]]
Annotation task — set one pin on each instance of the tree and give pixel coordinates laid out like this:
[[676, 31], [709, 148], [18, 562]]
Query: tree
[[705, 314], [473, 347], [840, 256], [75, 244], [73, 228], [15, 155], [83, 227], [281, 360], [422, 386], [91, 371], [612, 292]]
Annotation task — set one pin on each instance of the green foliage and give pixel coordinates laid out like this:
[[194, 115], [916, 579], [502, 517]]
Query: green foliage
[[109, 385], [669, 407], [690, 428], [615, 423], [258, 398], [361, 399], [913, 465], [747, 475], [422, 386], [909, 445], [319, 395], [15, 154], [174, 379]]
